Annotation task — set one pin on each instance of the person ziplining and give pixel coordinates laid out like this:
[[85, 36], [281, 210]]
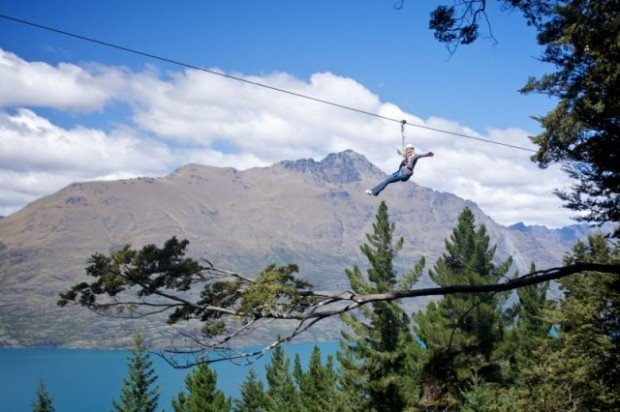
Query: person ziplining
[[405, 170]]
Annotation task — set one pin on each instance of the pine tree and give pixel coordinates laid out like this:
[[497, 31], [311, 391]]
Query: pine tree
[[530, 327], [253, 397], [532, 302], [44, 401], [298, 373], [281, 393], [462, 332], [378, 350], [137, 392], [203, 395], [578, 370], [318, 386]]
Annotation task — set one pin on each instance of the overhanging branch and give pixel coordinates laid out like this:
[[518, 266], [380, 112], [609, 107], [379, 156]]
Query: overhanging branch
[[532, 278], [233, 309]]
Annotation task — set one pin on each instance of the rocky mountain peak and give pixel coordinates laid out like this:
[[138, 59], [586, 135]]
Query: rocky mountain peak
[[342, 167], [521, 227]]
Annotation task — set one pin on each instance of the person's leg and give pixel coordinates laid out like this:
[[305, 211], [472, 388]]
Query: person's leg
[[394, 177]]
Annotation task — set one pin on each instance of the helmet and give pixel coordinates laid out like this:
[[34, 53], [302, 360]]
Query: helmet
[[409, 146]]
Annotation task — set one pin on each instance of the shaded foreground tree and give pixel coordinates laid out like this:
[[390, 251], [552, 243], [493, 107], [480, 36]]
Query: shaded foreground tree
[[462, 333], [530, 327], [583, 131], [378, 351], [579, 369]]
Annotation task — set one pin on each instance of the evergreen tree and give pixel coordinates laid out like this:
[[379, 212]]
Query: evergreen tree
[[203, 395], [281, 392], [137, 392], [530, 327], [318, 387], [578, 370], [377, 354], [298, 372], [462, 332], [253, 397], [532, 302], [44, 400]]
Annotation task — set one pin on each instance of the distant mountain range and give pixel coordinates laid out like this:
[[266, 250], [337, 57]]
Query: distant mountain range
[[311, 213], [565, 235]]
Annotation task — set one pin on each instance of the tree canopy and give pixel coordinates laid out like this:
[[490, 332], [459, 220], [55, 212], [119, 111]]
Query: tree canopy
[[378, 353], [462, 333]]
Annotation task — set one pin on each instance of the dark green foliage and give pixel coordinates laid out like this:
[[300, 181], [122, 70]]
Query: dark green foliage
[[529, 330], [149, 269], [281, 392], [137, 392], [378, 353], [318, 386], [484, 396], [253, 397], [448, 29], [530, 325], [462, 333], [202, 393], [579, 369], [44, 400], [532, 301], [160, 277]]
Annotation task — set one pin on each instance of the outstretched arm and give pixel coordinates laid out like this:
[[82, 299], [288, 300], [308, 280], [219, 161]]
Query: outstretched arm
[[429, 154]]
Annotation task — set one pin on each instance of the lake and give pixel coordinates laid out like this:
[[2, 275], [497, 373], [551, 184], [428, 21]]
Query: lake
[[89, 380]]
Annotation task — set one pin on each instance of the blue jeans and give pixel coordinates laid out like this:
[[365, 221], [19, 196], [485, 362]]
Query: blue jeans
[[397, 176]]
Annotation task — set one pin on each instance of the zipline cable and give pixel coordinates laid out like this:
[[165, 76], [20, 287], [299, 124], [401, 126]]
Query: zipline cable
[[258, 84]]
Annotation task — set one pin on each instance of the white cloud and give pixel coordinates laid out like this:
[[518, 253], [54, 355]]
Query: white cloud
[[30, 142], [66, 86], [37, 157], [186, 116]]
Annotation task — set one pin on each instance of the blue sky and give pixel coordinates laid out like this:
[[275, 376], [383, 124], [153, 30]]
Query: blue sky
[[59, 92]]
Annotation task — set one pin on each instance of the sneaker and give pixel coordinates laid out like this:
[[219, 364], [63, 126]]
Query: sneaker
[[369, 192]]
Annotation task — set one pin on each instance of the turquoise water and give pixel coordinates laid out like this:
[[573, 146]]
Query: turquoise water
[[89, 380]]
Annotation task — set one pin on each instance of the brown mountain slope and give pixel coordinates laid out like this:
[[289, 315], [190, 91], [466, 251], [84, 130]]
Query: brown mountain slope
[[311, 213]]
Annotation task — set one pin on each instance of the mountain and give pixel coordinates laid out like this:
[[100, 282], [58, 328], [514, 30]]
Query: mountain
[[311, 213], [534, 240]]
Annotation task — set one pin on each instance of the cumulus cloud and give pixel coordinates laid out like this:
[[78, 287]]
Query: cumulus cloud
[[65, 86], [193, 116]]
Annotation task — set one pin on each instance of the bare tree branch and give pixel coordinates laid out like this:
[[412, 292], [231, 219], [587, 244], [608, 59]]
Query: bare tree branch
[[533, 278]]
